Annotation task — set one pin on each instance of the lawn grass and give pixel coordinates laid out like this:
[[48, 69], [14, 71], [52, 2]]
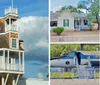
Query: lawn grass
[[67, 75]]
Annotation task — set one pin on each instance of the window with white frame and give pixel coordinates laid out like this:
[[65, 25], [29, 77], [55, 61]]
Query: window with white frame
[[14, 43]]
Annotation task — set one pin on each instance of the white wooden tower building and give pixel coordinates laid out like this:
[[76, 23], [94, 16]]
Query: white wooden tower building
[[11, 49]]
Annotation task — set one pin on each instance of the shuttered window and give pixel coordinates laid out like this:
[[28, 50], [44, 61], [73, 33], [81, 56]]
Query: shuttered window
[[13, 43], [66, 22]]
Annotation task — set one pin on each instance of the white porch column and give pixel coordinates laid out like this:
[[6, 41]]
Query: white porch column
[[19, 61], [81, 23], [23, 61], [2, 80], [5, 25], [8, 60], [3, 59], [13, 80], [9, 24]]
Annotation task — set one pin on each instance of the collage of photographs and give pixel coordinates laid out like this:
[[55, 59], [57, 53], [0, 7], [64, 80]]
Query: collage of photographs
[[49, 42]]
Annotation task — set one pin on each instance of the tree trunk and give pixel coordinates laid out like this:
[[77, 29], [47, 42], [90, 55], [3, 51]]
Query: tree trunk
[[97, 18]]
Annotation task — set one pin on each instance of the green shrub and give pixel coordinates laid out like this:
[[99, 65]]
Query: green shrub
[[90, 29], [68, 75], [58, 30], [61, 75]]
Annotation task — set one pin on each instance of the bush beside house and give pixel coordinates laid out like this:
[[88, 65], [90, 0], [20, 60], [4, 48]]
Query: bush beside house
[[58, 30]]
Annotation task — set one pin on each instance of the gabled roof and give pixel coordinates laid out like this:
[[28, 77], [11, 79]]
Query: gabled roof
[[54, 15], [79, 14], [74, 14]]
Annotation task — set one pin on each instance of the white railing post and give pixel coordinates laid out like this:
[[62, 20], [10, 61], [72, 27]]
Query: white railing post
[[3, 59], [8, 60], [23, 62], [2, 80], [19, 62], [13, 81]]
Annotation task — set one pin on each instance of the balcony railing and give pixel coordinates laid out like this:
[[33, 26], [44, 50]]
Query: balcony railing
[[12, 67], [11, 10]]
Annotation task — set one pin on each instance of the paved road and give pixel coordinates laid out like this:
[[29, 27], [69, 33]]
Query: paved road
[[74, 82], [76, 37]]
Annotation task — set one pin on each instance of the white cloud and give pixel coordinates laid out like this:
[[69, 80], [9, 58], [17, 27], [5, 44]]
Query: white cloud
[[57, 4], [34, 31], [42, 43], [83, 10], [40, 75], [56, 8]]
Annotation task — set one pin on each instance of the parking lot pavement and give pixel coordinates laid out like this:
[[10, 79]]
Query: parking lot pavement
[[74, 82]]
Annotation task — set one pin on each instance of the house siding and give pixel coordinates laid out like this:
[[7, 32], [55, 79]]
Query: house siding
[[71, 21], [71, 17]]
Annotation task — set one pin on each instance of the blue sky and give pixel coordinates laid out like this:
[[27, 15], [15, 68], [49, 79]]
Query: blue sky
[[33, 29], [27, 7], [57, 4]]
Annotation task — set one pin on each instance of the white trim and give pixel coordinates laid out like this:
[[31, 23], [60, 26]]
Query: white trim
[[17, 44], [13, 72], [9, 32], [13, 50], [6, 16]]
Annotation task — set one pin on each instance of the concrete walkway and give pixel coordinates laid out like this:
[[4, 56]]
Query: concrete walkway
[[74, 82]]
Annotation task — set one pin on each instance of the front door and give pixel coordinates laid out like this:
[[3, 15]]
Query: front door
[[77, 24]]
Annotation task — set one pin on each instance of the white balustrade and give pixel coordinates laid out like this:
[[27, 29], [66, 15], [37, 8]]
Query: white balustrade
[[11, 10], [13, 67]]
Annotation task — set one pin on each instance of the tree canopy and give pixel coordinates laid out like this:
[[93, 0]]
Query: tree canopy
[[69, 8], [92, 8], [57, 50]]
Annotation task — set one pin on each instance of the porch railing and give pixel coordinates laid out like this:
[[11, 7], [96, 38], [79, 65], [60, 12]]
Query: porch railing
[[12, 67]]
